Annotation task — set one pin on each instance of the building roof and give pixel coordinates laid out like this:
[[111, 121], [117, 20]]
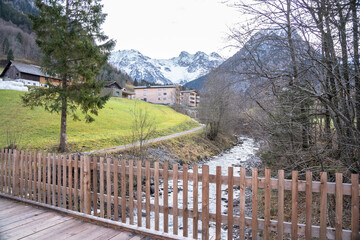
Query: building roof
[[109, 84], [26, 68], [189, 91], [157, 86]]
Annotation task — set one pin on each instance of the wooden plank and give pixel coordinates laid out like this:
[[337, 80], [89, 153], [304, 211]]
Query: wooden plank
[[116, 191], [195, 200], [242, 204], [22, 174], [355, 206], [38, 181], [156, 194], [108, 188], [131, 191], [308, 206], [5, 170], [76, 183], [44, 177], [64, 178], [48, 161], [230, 203], [267, 205], [323, 205], [26, 175], [53, 189], [95, 186], [147, 193], [58, 180], [70, 180], [294, 205], [185, 200], [138, 186], [218, 203], [123, 191], [166, 195], [102, 200], [338, 206], [175, 199], [205, 202], [81, 183], [87, 187], [2, 153], [280, 225]]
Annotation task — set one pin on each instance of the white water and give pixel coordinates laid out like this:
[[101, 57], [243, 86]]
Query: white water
[[230, 158]]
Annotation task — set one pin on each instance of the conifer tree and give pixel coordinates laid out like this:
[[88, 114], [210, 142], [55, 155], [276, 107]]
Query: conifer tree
[[74, 50]]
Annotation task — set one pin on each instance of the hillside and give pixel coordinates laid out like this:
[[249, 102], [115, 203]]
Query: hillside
[[39, 129]]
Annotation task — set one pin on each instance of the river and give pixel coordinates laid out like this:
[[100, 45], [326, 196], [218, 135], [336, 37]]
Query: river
[[233, 157]]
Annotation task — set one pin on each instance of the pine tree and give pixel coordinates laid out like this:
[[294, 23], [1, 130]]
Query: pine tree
[[10, 55], [74, 50]]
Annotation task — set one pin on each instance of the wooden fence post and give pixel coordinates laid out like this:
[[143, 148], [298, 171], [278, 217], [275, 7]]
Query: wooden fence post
[[15, 173], [205, 202], [87, 187]]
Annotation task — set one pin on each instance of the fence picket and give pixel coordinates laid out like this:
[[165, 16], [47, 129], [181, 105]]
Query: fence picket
[[156, 194], [86, 182], [58, 180], [64, 180], [138, 189], [355, 207], [108, 188], [230, 202], [294, 205], [242, 204], [116, 190], [185, 200], [218, 203], [205, 202], [123, 191], [2, 169], [102, 214], [281, 187], [48, 186], [147, 193], [95, 186], [76, 183], [308, 207], [53, 190], [175, 199], [44, 177], [22, 174], [166, 195], [81, 183], [267, 205], [70, 179], [26, 175], [323, 205], [195, 201], [338, 206], [131, 191]]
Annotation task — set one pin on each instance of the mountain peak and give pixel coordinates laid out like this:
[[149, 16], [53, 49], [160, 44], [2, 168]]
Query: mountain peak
[[181, 69]]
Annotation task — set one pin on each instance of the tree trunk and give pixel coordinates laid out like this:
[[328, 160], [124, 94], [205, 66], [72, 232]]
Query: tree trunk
[[63, 134]]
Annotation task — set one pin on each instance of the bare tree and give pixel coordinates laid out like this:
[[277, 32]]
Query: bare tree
[[143, 125]]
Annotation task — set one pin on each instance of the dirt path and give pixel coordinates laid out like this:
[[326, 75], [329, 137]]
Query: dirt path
[[145, 142]]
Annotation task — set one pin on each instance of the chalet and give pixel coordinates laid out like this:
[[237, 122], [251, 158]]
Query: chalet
[[30, 75], [190, 98], [115, 90], [164, 94]]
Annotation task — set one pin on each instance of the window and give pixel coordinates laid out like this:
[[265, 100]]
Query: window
[[159, 93], [159, 89], [34, 84], [29, 83], [191, 101], [164, 89], [165, 93], [144, 89], [117, 94], [159, 98], [144, 94], [192, 94], [192, 98], [164, 98]]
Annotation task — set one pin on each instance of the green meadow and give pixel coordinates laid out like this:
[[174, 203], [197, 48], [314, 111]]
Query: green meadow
[[38, 129]]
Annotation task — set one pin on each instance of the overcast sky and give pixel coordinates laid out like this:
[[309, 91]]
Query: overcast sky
[[164, 28]]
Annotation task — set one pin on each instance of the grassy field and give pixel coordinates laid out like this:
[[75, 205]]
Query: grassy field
[[40, 130]]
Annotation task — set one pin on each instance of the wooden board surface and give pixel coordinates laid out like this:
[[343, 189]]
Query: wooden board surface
[[23, 221]]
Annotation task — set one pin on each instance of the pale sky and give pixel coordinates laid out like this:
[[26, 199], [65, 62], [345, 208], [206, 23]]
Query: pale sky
[[163, 28]]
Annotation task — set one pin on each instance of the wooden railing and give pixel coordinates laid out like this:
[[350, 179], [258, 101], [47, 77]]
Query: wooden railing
[[99, 186]]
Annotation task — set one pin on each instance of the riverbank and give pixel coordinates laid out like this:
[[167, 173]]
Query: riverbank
[[189, 148]]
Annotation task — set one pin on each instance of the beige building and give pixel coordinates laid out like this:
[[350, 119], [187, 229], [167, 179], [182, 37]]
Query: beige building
[[190, 98], [167, 94]]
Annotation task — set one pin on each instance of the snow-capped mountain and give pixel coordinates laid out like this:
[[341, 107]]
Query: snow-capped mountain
[[178, 70]]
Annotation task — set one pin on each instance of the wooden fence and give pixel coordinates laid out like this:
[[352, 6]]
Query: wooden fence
[[100, 186]]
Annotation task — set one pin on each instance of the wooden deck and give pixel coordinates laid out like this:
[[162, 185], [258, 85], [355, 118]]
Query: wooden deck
[[21, 221]]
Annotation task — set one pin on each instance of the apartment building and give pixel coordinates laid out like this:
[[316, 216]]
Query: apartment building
[[167, 94], [190, 98]]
